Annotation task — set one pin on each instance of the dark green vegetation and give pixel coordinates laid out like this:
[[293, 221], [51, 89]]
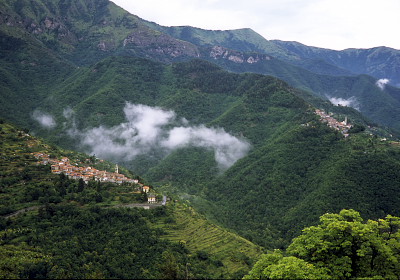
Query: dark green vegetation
[[24, 183], [379, 62], [68, 241], [324, 73], [55, 227], [55, 36], [287, 183], [70, 66], [342, 246], [297, 169]]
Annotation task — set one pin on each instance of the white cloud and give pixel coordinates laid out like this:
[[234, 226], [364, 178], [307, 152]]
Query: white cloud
[[228, 149], [68, 113], [45, 120], [154, 129], [350, 102], [381, 83]]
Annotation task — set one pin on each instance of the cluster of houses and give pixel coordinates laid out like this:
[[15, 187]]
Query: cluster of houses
[[86, 173], [343, 126]]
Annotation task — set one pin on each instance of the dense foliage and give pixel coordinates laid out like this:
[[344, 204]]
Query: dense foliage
[[25, 183], [52, 226], [342, 246], [94, 243], [308, 171], [43, 42], [69, 66]]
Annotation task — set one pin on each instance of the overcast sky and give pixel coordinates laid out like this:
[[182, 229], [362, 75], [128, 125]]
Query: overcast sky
[[333, 24]]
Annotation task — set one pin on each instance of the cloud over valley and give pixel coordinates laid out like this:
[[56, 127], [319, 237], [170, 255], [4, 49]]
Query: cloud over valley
[[45, 120], [153, 128], [381, 83], [349, 102]]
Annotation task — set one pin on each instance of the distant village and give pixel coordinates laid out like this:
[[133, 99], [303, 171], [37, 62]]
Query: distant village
[[87, 173], [343, 126]]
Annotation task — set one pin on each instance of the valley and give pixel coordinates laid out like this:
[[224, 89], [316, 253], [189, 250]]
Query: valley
[[252, 141]]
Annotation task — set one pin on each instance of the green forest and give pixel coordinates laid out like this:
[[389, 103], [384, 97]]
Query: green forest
[[55, 227], [257, 184], [341, 246]]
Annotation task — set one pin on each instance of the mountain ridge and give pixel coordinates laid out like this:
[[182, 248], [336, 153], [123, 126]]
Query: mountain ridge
[[92, 94]]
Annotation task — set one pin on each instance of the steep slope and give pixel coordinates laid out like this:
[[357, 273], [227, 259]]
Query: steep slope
[[50, 228], [379, 62], [379, 103], [293, 172], [280, 187], [248, 41], [326, 73], [248, 143], [85, 31], [28, 69], [243, 40]]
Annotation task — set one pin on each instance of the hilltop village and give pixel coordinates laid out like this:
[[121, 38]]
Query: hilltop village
[[85, 173], [343, 126]]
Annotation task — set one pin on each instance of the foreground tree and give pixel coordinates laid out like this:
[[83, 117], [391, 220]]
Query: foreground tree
[[341, 246], [276, 266]]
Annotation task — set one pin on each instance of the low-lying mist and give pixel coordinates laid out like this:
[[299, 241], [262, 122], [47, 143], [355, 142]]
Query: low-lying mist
[[381, 83], [350, 102], [155, 129], [45, 120]]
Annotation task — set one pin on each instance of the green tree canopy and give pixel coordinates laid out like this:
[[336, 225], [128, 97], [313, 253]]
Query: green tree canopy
[[276, 266], [341, 246]]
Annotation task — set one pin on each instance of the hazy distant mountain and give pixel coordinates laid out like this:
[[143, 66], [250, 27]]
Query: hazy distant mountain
[[379, 62]]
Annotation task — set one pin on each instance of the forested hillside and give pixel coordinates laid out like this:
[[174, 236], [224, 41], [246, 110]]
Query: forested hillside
[[82, 33], [251, 152], [52, 226], [306, 171]]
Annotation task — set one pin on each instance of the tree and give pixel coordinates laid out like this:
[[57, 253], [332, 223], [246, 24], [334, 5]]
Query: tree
[[276, 266], [81, 185], [22, 261], [341, 246]]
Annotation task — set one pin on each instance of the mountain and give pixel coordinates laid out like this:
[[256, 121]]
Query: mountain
[[326, 73], [83, 32], [379, 62], [250, 152]]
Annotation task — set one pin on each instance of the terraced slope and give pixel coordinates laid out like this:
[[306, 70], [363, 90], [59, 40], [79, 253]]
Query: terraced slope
[[208, 240]]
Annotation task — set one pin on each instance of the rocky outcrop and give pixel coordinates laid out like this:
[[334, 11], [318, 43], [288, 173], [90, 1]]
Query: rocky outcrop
[[106, 46], [218, 52], [160, 44]]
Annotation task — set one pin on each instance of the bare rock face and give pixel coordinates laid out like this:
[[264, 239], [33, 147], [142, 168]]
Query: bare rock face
[[50, 23], [218, 52], [160, 44], [106, 46]]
